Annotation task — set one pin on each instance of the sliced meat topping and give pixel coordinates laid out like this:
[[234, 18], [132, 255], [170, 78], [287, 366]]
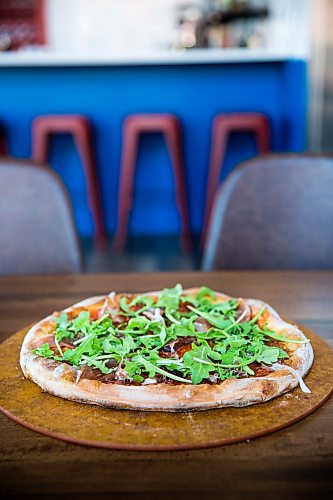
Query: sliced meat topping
[[117, 376], [64, 344], [154, 314], [184, 307], [90, 373], [202, 325], [111, 307], [259, 370], [177, 348]]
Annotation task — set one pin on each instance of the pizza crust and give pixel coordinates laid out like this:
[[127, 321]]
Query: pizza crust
[[60, 379]]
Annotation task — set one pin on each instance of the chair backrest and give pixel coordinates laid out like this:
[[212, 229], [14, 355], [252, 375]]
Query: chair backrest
[[37, 231], [274, 212]]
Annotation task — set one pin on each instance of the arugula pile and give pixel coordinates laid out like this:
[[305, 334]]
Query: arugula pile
[[135, 346]]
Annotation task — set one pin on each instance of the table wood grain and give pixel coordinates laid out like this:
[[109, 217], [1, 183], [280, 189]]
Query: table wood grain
[[293, 463]]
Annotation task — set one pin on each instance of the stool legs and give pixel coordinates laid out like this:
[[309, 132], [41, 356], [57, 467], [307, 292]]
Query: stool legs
[[262, 136], [174, 142], [3, 144], [79, 128], [127, 171], [223, 126], [218, 148], [39, 143], [169, 126], [85, 147]]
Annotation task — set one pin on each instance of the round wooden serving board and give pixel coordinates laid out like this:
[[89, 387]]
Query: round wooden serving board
[[24, 402]]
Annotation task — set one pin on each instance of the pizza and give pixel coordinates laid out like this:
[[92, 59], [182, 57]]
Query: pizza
[[171, 350]]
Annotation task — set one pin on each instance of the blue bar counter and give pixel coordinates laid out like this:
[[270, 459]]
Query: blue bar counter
[[195, 92]]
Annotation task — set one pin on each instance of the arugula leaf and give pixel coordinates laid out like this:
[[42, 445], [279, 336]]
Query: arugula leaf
[[248, 370], [82, 322], [74, 355], [144, 300], [235, 342], [213, 319], [228, 358], [185, 329], [276, 336], [139, 323], [124, 306], [163, 335], [193, 360], [155, 369], [227, 307], [44, 350], [63, 328], [62, 320], [111, 344], [204, 292], [257, 316], [245, 327], [268, 356], [128, 344], [132, 368], [171, 318], [282, 353], [169, 298]]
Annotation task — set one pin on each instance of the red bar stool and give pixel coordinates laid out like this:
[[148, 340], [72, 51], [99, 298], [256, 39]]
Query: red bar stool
[[80, 128], [170, 127], [223, 126]]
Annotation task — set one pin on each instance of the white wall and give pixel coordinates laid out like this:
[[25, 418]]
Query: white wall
[[289, 28], [111, 25], [123, 26]]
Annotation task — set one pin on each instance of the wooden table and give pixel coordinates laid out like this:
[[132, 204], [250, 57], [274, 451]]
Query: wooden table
[[292, 463]]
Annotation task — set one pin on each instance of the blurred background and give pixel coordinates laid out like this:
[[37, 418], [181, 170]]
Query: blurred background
[[144, 108]]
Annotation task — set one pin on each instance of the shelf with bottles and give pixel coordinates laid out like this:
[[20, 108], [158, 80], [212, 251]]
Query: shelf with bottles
[[222, 23]]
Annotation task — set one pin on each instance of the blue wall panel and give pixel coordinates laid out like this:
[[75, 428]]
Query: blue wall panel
[[194, 92]]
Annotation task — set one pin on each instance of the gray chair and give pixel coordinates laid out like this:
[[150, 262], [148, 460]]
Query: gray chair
[[37, 231], [273, 212]]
